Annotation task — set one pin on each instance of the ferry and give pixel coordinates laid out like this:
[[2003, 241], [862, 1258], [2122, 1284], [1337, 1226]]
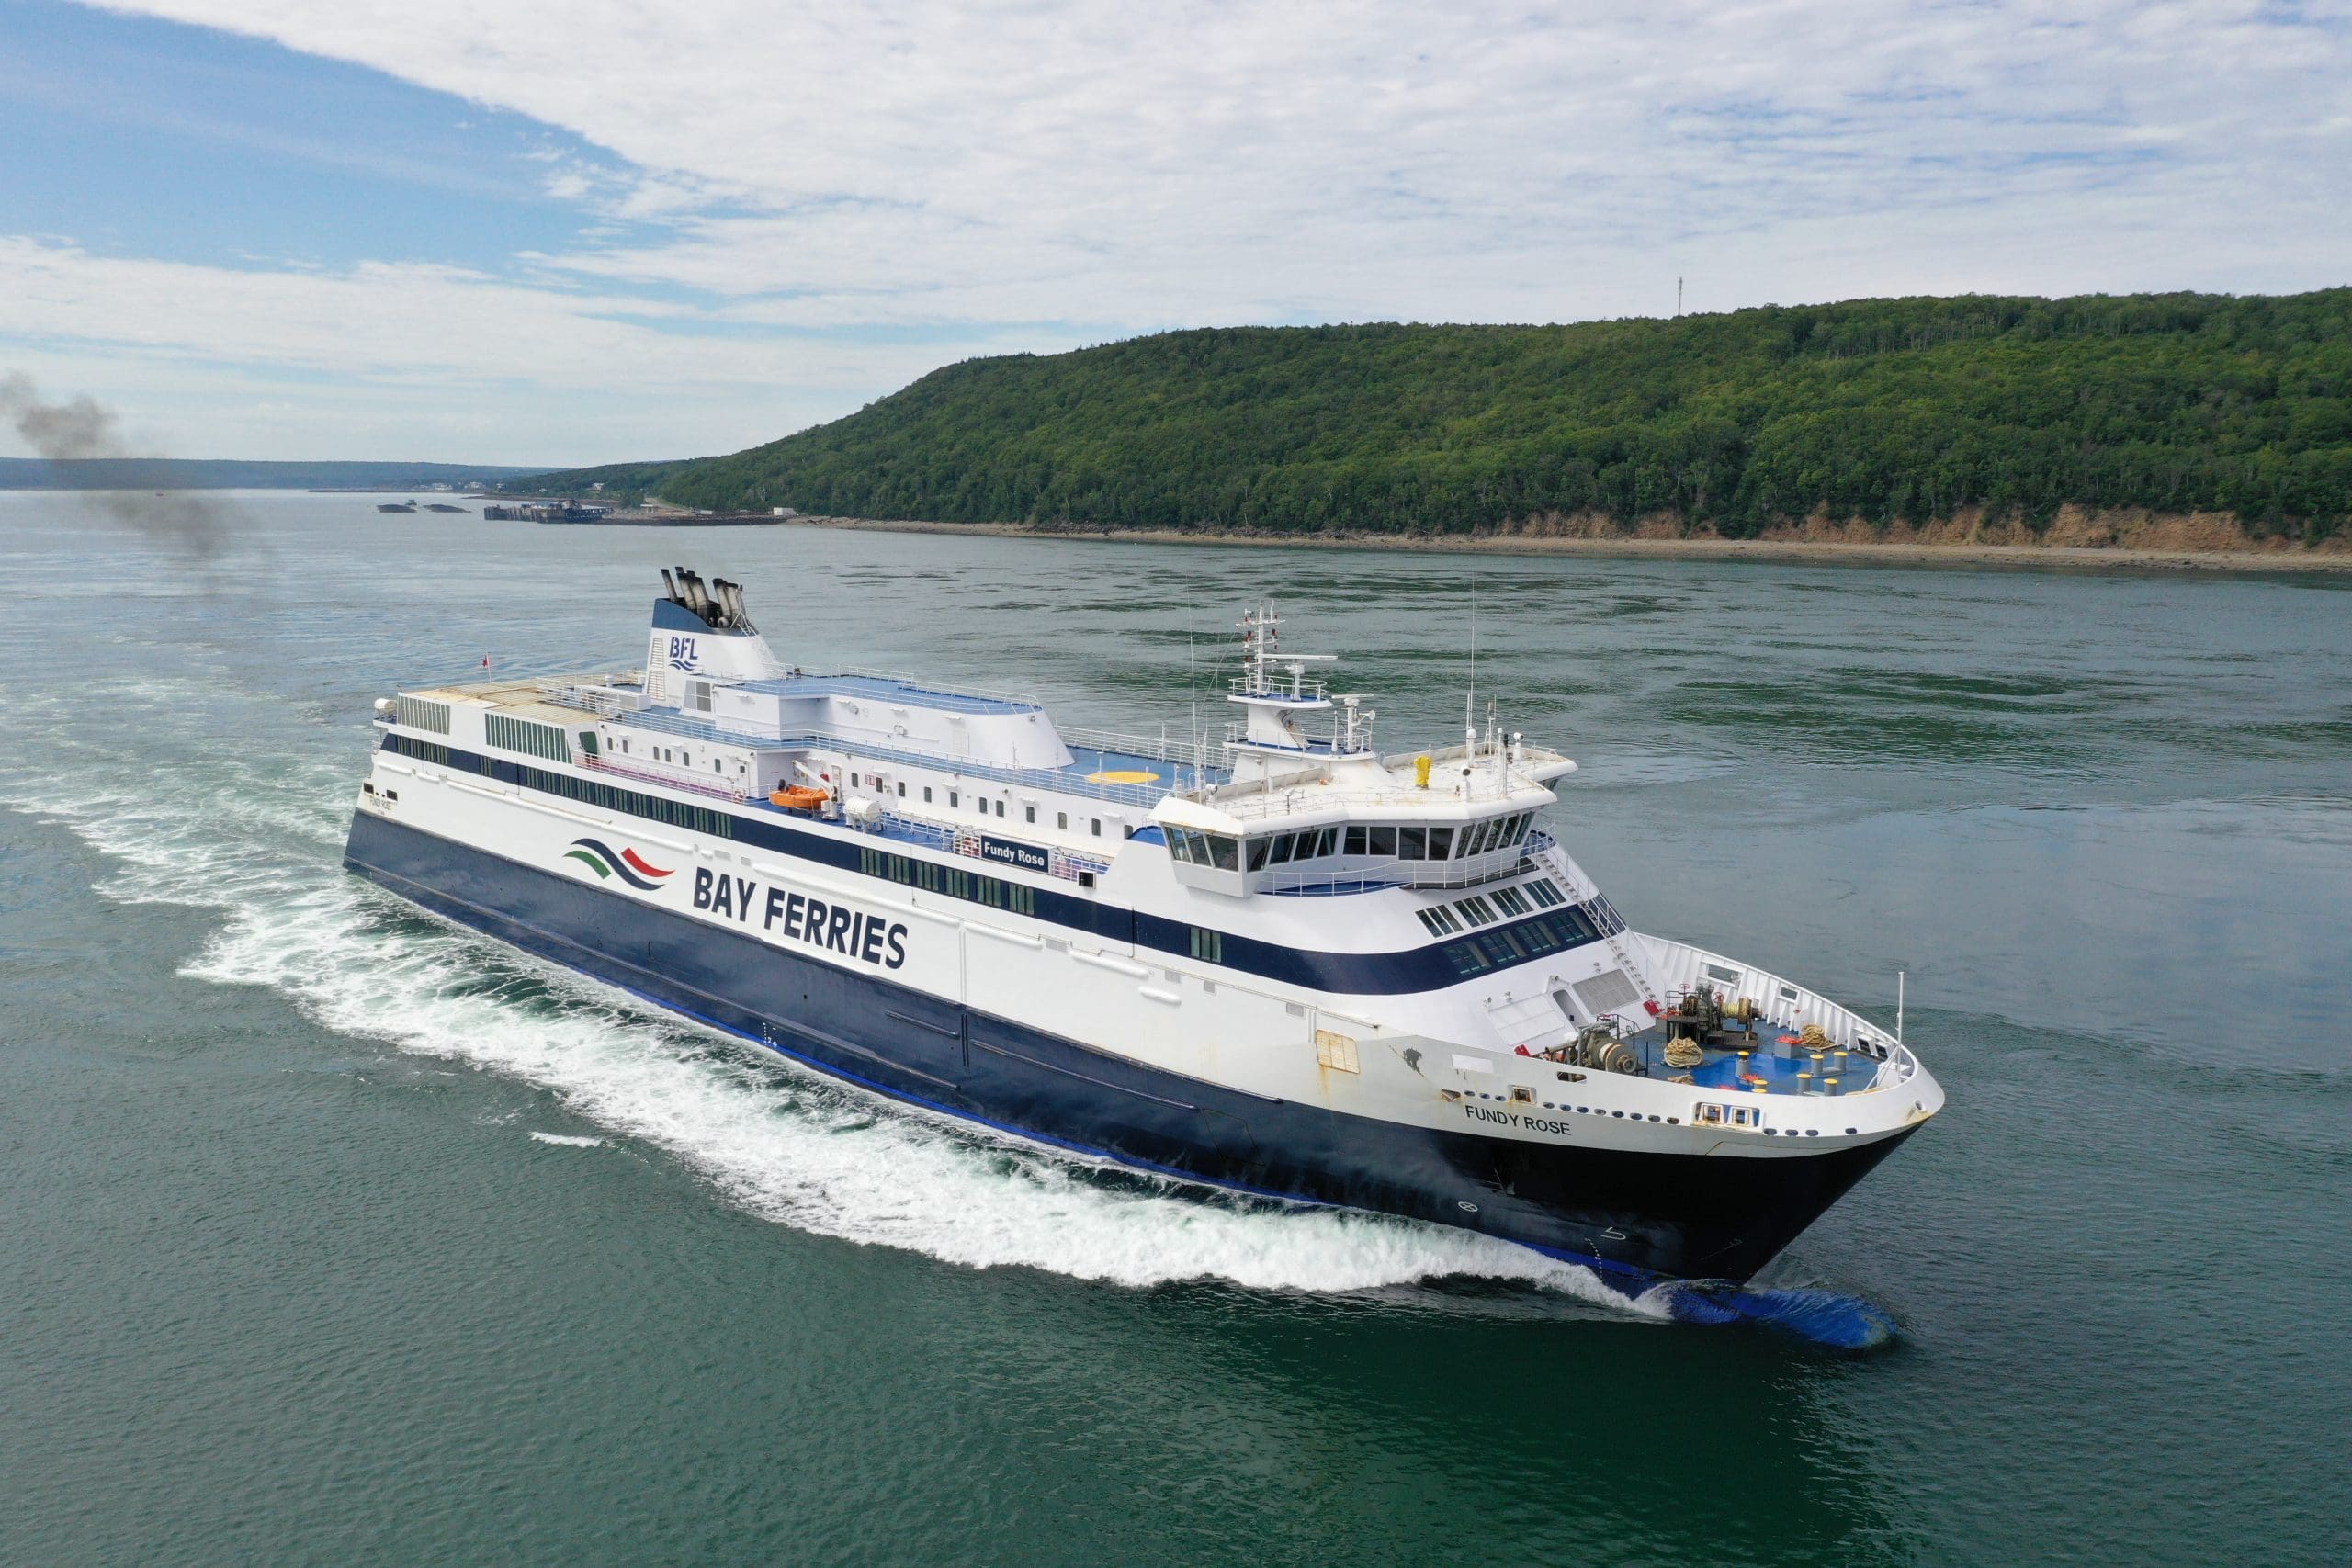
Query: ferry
[[1282, 961]]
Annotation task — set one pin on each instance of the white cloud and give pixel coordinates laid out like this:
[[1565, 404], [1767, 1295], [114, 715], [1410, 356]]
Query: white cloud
[[977, 169], [204, 356]]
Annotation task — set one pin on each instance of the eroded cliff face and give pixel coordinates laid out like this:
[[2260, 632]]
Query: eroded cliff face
[[2075, 527]]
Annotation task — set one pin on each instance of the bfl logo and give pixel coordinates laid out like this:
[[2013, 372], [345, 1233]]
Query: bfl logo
[[682, 653], [628, 866]]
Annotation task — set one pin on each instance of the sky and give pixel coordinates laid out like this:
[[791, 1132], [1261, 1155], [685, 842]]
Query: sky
[[601, 229]]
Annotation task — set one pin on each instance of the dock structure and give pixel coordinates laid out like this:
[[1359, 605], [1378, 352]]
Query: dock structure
[[627, 517]]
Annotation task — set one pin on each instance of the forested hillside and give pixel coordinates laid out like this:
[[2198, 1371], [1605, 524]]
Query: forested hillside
[[1884, 409]]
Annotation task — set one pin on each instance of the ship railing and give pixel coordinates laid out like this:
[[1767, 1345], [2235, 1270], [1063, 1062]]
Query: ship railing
[[1546, 851], [1200, 756], [1299, 793], [914, 829], [592, 693], [1273, 688], [1519, 756], [653, 776], [1311, 880]]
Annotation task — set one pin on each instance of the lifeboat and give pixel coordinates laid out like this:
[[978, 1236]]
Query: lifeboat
[[800, 797]]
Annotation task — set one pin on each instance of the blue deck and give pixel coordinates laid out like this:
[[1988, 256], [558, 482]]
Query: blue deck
[[1778, 1066]]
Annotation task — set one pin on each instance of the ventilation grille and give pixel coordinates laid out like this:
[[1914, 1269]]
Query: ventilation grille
[[1606, 992], [531, 739], [418, 714]]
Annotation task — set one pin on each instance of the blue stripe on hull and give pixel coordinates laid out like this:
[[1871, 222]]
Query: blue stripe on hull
[[1635, 1215]]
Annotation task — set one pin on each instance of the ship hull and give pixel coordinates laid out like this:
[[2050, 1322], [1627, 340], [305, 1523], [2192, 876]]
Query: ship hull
[[1638, 1217]]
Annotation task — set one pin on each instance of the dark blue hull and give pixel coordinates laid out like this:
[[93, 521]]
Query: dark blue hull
[[1635, 1216]]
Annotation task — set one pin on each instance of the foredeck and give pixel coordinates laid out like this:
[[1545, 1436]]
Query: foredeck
[[1774, 1063]]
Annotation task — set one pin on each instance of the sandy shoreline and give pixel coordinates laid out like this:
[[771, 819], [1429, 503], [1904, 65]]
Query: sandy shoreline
[[1892, 553]]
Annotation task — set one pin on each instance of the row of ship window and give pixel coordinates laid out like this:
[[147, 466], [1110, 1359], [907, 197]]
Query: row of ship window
[[1223, 853], [1486, 908], [528, 737], [1507, 945], [953, 881], [590, 791], [635, 803]]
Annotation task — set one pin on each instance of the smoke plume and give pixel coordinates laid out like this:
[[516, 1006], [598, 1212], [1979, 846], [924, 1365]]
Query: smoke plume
[[191, 524]]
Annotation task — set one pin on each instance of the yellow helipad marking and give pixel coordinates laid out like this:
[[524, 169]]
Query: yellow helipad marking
[[1122, 775]]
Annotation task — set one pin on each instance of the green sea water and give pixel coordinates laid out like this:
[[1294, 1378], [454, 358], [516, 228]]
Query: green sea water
[[333, 1236]]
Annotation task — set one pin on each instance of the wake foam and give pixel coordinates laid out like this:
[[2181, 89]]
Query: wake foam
[[259, 839]]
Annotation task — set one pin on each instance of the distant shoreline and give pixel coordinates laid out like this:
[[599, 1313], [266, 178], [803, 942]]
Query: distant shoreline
[[1883, 553]]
